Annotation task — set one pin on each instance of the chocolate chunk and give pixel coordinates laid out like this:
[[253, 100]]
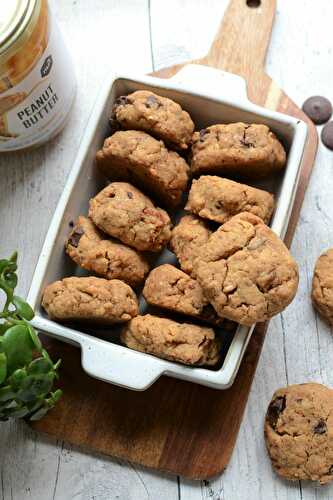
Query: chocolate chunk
[[327, 135], [130, 195], [320, 427], [275, 409], [75, 237], [318, 109], [121, 101], [71, 223], [153, 102]]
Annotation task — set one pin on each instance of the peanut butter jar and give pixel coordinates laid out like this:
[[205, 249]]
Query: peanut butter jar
[[37, 79]]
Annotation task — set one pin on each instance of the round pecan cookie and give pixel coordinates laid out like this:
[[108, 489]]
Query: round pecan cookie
[[237, 149], [322, 285], [160, 116], [299, 432], [165, 338], [95, 251], [137, 157], [246, 271], [123, 212], [90, 300]]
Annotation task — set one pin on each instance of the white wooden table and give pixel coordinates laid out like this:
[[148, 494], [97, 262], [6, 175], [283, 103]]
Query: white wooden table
[[108, 35]]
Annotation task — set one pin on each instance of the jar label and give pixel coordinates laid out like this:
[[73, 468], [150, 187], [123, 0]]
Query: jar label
[[36, 108]]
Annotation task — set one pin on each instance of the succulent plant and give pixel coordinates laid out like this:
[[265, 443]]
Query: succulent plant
[[27, 372]]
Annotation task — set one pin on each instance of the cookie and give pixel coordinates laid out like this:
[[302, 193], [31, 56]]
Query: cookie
[[219, 199], [322, 286], [122, 211], [172, 289], [160, 116], [165, 338], [108, 258], [137, 157], [246, 271], [237, 149], [90, 299], [186, 240], [299, 432]]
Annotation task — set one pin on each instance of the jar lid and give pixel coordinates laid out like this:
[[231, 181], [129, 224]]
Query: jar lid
[[14, 17]]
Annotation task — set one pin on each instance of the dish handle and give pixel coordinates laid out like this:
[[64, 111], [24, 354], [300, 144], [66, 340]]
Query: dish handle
[[126, 369], [215, 83]]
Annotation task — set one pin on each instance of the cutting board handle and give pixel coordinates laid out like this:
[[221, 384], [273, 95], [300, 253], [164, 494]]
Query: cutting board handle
[[242, 40]]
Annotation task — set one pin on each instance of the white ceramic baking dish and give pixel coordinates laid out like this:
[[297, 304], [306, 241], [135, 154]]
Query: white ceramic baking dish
[[211, 96]]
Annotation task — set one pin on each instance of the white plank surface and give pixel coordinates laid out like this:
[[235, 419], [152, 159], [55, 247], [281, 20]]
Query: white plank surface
[[108, 35]]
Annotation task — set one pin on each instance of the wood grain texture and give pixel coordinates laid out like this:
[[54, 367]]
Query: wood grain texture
[[169, 430], [298, 346]]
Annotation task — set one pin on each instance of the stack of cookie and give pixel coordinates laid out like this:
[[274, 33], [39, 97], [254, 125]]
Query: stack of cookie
[[232, 267]]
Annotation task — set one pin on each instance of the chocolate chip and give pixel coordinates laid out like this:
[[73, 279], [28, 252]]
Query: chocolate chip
[[152, 102], [327, 135], [320, 427], [318, 109], [121, 101], [75, 237], [130, 195], [71, 223], [275, 409]]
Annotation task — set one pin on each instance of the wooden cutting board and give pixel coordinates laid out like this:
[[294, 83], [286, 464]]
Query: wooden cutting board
[[177, 426]]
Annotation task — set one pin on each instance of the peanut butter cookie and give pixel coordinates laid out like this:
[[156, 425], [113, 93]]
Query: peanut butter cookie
[[172, 289], [237, 149], [299, 432], [90, 299], [218, 199], [137, 157], [123, 212], [160, 116], [246, 271], [186, 240], [322, 286], [94, 251], [165, 338]]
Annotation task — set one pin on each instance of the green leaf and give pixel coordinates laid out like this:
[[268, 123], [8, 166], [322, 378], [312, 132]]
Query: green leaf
[[34, 338], [4, 327], [18, 346], [40, 365], [11, 280], [35, 386], [39, 413], [3, 367], [6, 393], [17, 377], [22, 308]]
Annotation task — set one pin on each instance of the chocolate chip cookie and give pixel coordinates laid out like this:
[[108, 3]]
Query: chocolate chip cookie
[[237, 149], [186, 240], [90, 299], [246, 271], [135, 156], [322, 286], [218, 199], [165, 338], [172, 289], [160, 116], [299, 432], [123, 212], [94, 251]]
